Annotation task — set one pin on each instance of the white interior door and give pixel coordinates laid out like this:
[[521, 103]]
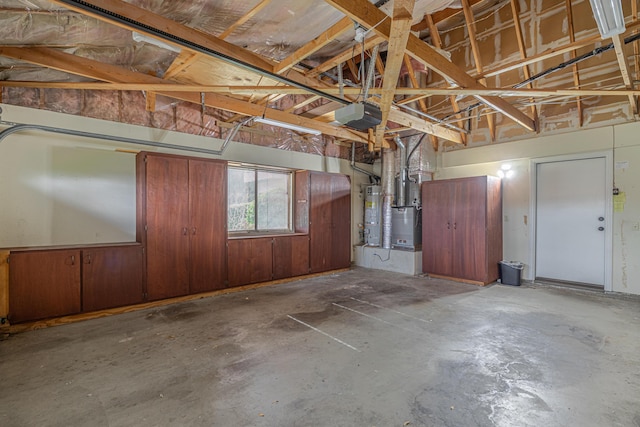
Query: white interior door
[[570, 220]]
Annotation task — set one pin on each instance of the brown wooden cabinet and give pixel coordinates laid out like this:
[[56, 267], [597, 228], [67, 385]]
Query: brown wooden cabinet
[[182, 221], [111, 277], [43, 284], [462, 228], [290, 256], [250, 260], [325, 213]]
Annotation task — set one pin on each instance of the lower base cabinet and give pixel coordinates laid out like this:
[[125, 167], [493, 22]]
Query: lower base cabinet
[[290, 256], [111, 277], [255, 260], [46, 283], [250, 260], [43, 284]]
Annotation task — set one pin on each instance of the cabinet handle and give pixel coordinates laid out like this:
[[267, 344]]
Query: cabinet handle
[[73, 260], [185, 231], [448, 226], [87, 259], [193, 231], [455, 225]]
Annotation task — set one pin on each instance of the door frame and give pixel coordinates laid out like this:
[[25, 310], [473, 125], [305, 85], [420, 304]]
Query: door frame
[[533, 202]]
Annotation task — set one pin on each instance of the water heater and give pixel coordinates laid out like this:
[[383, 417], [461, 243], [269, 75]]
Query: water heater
[[372, 215]]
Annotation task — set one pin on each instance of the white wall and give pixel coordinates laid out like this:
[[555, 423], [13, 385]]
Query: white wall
[[622, 142], [58, 189]]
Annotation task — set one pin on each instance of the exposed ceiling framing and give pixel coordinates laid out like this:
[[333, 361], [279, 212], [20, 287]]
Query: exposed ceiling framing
[[223, 65]]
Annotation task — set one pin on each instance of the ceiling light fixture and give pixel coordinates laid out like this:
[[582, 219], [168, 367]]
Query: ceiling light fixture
[[286, 125], [137, 37], [608, 16]]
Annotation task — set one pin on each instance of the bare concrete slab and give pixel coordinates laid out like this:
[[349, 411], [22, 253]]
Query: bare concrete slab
[[359, 348]]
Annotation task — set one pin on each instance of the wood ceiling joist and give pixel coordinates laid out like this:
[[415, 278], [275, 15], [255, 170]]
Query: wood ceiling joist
[[199, 38], [574, 53], [414, 93], [550, 53], [618, 45], [153, 20], [369, 16], [341, 27], [304, 103], [439, 17], [344, 56], [477, 58], [247, 16], [74, 64], [421, 102], [398, 36], [636, 44], [523, 53], [437, 42]]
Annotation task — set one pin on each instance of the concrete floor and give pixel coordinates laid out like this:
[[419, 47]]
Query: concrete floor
[[360, 348]]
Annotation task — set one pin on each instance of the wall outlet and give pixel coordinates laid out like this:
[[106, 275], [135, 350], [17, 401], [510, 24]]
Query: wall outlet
[[635, 226]]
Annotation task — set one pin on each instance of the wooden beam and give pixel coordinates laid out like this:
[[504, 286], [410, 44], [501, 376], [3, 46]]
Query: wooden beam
[[437, 42], [307, 101], [253, 12], [414, 83], [550, 53], [344, 25], [151, 101], [477, 58], [636, 44], [415, 93], [618, 45], [542, 56], [368, 15], [439, 17], [110, 73], [169, 26], [182, 61], [576, 70], [345, 56], [398, 36], [523, 52]]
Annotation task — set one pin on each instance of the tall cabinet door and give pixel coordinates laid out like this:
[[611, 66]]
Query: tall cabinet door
[[208, 225], [320, 222], [469, 233], [437, 239], [340, 221], [167, 226]]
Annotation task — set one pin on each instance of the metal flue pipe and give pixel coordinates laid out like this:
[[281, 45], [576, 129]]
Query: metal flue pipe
[[388, 175]]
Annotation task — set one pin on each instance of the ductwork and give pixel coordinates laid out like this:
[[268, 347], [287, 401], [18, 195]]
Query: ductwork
[[402, 187], [357, 169], [388, 175]]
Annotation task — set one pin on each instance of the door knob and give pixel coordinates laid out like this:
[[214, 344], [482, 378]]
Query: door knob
[[600, 228], [600, 218]]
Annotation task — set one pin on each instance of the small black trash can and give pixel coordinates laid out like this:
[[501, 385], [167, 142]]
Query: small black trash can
[[510, 272]]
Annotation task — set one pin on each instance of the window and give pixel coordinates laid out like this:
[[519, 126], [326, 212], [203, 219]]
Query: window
[[259, 200]]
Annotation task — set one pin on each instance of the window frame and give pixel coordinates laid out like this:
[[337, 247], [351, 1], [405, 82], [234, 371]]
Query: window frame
[[290, 190]]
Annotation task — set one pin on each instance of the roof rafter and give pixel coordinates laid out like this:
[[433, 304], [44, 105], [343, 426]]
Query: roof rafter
[[133, 13], [398, 36], [344, 25], [371, 17], [77, 65], [477, 58]]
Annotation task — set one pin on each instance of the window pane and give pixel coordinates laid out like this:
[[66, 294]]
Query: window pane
[[241, 199], [273, 200]]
